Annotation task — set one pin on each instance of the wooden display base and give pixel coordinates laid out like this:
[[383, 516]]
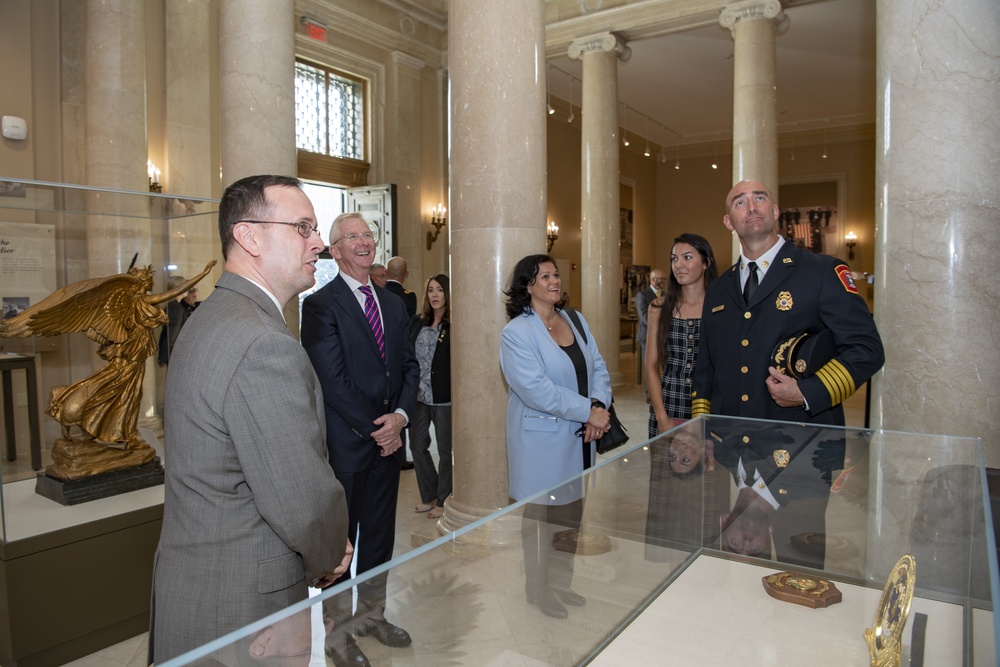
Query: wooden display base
[[802, 589], [73, 492]]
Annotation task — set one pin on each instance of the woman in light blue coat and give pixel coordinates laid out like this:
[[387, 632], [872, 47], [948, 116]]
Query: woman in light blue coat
[[559, 388]]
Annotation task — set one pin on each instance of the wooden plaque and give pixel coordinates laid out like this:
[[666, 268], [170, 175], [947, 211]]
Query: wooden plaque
[[802, 589]]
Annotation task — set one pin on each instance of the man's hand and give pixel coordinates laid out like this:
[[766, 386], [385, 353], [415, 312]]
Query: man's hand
[[330, 577], [387, 436], [784, 389]]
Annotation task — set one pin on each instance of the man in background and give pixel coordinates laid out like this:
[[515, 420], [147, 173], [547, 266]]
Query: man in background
[[644, 297], [252, 511], [357, 337], [397, 274], [378, 274]]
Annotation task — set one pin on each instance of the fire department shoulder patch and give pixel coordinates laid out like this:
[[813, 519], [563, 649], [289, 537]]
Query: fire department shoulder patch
[[846, 279]]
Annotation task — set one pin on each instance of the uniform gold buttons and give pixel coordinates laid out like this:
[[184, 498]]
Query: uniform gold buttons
[[744, 369], [746, 439], [744, 342], [747, 315], [744, 398]]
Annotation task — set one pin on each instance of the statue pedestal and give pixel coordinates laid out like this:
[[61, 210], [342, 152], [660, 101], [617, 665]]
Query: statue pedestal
[[85, 489]]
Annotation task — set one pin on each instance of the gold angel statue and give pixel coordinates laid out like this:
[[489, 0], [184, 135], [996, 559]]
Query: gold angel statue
[[119, 314]]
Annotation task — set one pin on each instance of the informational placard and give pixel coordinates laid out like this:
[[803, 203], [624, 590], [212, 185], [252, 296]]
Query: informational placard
[[27, 265]]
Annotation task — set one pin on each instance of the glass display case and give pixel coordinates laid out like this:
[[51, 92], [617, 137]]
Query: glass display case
[[669, 562], [56, 560], [56, 234]]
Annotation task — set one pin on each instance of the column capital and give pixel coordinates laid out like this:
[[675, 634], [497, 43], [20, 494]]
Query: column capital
[[605, 41], [754, 9]]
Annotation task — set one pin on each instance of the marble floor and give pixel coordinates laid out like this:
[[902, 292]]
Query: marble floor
[[497, 619]]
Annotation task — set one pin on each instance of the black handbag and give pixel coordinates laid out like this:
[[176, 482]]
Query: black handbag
[[616, 435]]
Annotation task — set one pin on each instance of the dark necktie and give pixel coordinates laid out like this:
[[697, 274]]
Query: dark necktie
[[374, 320], [752, 281]]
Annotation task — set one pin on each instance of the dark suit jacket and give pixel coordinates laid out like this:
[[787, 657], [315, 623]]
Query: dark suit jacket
[[801, 291], [408, 297], [252, 512], [441, 363], [643, 298], [358, 387]]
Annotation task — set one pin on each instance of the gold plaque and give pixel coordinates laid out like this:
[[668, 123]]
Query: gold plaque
[[885, 637], [802, 589]]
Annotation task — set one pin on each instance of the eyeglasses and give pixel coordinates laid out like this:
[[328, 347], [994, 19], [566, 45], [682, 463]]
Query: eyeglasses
[[304, 229], [354, 238]]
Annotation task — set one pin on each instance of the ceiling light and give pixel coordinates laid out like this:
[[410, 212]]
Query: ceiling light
[[572, 115], [548, 86], [625, 125]]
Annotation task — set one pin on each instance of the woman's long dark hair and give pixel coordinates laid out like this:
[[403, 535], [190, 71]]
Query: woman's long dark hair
[[524, 273], [428, 313], [666, 316]]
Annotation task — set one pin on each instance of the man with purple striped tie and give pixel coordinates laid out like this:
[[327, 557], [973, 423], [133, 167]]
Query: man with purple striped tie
[[356, 334]]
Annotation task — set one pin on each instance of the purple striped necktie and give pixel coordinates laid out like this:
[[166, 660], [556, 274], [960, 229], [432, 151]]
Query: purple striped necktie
[[374, 321]]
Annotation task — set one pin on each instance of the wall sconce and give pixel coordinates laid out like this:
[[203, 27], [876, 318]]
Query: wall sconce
[[553, 235], [851, 239], [154, 177], [437, 221]]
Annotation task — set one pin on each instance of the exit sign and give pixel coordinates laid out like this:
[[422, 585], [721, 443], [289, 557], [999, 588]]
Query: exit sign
[[314, 29], [316, 32]]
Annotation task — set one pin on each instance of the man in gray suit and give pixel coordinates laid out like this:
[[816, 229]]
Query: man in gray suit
[[644, 297], [252, 513]]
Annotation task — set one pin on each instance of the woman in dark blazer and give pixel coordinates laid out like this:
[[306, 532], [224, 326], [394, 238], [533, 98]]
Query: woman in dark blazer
[[429, 332]]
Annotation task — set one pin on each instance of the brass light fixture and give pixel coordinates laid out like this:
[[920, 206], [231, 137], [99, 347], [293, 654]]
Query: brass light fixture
[[438, 220], [552, 234], [154, 177], [851, 239]]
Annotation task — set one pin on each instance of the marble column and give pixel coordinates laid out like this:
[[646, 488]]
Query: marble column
[[406, 157], [257, 62], [120, 227], [937, 302], [497, 216], [192, 239], [600, 191], [115, 126], [753, 24]]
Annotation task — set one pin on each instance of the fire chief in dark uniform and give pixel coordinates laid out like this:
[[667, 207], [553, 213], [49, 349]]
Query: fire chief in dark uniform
[[791, 291], [775, 292]]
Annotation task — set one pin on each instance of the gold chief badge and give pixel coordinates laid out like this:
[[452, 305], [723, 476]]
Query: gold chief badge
[[781, 457], [784, 301]]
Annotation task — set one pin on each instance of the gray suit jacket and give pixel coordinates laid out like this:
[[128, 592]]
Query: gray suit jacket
[[252, 511], [643, 298]]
